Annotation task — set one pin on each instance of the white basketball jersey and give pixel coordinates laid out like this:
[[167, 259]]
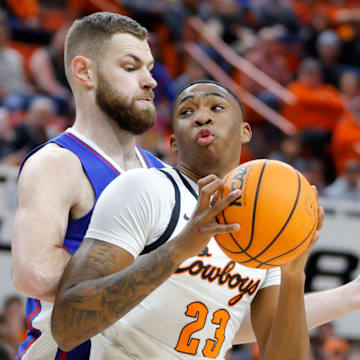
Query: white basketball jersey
[[196, 313]]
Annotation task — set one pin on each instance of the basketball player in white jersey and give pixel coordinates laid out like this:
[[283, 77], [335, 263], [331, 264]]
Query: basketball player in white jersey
[[53, 187], [150, 267], [108, 64]]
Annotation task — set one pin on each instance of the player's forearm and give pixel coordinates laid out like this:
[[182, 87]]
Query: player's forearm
[[94, 305], [321, 307], [328, 305], [289, 338], [39, 277]]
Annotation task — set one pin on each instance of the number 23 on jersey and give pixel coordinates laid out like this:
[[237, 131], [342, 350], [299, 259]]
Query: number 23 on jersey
[[189, 344]]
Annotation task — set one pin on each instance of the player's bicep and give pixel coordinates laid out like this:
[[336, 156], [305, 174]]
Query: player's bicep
[[93, 260], [47, 189], [39, 222], [263, 310]]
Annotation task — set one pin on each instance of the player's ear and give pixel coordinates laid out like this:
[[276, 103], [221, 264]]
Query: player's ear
[[83, 72], [173, 143], [245, 133]]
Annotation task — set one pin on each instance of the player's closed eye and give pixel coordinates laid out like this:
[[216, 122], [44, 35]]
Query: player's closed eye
[[185, 112], [217, 107]]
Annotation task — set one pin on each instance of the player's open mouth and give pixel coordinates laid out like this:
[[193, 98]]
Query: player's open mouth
[[205, 137]]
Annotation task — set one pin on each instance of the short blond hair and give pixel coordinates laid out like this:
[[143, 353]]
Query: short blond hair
[[89, 35]]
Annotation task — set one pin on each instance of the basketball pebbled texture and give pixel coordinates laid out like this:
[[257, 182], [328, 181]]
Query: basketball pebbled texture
[[277, 212]]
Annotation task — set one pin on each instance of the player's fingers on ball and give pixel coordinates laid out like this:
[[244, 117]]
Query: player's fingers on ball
[[313, 241], [206, 180], [208, 190], [321, 215], [215, 228], [315, 190], [225, 202]]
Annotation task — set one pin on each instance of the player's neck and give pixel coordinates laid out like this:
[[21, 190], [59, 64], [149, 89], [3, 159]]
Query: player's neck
[[115, 142], [195, 174], [191, 173]]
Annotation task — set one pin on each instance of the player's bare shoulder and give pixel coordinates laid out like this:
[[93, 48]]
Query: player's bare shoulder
[[52, 170], [52, 161]]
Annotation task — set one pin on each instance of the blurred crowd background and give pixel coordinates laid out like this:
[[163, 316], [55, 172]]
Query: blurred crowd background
[[298, 61]]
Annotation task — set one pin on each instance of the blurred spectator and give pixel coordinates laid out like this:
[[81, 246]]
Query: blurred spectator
[[323, 332], [306, 10], [341, 14], [27, 10], [6, 135], [47, 71], [144, 6], [329, 48], [25, 21], [14, 317], [176, 14], [147, 12], [335, 348], [345, 143], [5, 349], [318, 108], [347, 185], [164, 91], [314, 172], [268, 57], [350, 53], [34, 130], [225, 18], [272, 12], [193, 72], [290, 152], [309, 33], [14, 89], [349, 86]]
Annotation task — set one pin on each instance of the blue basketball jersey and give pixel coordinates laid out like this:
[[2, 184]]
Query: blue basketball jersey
[[39, 344]]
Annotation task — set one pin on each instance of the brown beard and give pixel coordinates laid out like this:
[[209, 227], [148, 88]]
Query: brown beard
[[124, 112]]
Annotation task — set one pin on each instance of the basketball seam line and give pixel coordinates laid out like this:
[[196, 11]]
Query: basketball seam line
[[255, 205], [254, 211], [286, 222], [264, 250], [278, 256]]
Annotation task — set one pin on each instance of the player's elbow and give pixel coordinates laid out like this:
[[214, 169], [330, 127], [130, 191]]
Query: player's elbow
[[34, 283], [64, 341]]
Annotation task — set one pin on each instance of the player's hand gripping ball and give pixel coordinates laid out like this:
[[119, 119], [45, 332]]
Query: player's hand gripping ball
[[277, 212]]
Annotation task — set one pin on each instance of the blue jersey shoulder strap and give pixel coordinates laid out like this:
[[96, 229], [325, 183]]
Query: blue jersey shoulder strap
[[99, 171], [151, 160]]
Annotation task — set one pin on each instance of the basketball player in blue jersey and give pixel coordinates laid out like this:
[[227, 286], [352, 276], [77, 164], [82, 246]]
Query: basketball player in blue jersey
[[108, 65], [149, 275], [59, 183]]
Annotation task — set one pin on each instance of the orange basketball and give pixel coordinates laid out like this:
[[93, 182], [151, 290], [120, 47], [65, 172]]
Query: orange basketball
[[277, 213]]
